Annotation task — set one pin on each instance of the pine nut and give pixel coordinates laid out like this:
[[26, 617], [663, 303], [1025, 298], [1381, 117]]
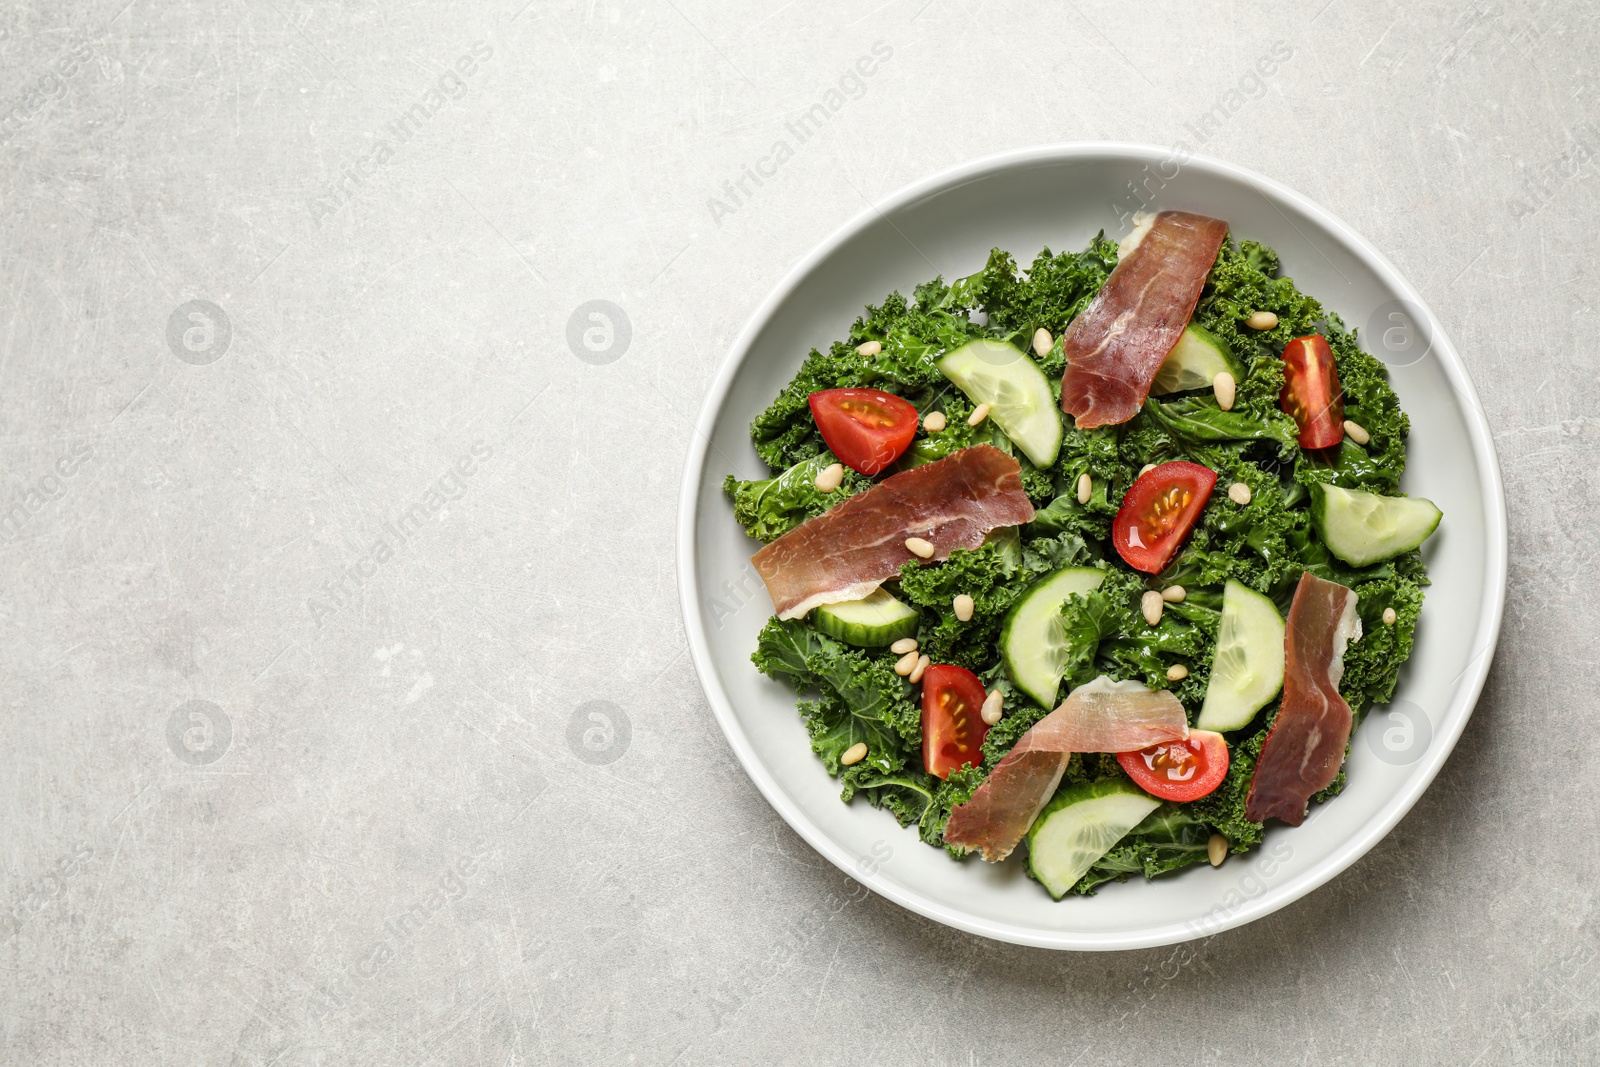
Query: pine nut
[[1177, 672], [1217, 849], [869, 348], [992, 708], [1085, 488], [933, 421], [1226, 389], [963, 605], [1042, 341], [1239, 493], [916, 672], [1146, 469], [1389, 616], [906, 663], [1356, 432], [854, 754], [831, 478], [918, 547], [904, 645], [979, 413], [1174, 594], [1261, 320], [1151, 604]]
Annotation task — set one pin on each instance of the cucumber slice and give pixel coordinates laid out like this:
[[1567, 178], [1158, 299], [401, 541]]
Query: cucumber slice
[[1079, 826], [1019, 396], [1032, 642], [1247, 670], [1197, 358], [1362, 528], [877, 620]]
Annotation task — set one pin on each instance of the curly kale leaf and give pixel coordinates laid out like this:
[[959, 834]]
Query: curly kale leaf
[[1105, 633], [985, 575], [1372, 664], [1370, 401], [862, 700], [1244, 281], [912, 336], [1057, 288], [1223, 808], [1255, 543], [768, 508]]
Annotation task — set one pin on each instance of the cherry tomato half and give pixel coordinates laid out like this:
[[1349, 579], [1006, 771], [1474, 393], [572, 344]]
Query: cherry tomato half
[[1311, 392], [1160, 509], [1179, 770], [866, 429], [952, 724]]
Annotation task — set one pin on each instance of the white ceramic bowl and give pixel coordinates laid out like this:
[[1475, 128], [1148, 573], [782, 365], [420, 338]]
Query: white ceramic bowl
[[1059, 196]]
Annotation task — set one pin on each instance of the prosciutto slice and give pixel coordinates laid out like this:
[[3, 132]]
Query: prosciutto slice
[[1117, 345], [1304, 748], [1103, 716], [849, 550]]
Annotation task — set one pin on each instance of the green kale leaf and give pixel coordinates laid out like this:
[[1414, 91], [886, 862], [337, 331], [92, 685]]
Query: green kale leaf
[[768, 508]]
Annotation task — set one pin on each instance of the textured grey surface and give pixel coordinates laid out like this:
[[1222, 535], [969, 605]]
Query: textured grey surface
[[397, 536]]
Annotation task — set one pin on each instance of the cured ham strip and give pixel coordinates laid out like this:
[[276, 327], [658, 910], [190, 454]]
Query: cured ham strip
[[1304, 748], [1103, 716], [849, 550], [1117, 345]]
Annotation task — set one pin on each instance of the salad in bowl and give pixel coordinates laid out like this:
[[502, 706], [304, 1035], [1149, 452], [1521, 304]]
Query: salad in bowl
[[1100, 563]]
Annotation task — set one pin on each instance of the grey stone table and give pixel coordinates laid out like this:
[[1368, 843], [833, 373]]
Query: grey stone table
[[320, 537]]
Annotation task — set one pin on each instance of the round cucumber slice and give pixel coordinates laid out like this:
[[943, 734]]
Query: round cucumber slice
[[879, 619], [1363, 528], [1079, 826], [1197, 358], [1247, 670], [1019, 396], [1032, 642]]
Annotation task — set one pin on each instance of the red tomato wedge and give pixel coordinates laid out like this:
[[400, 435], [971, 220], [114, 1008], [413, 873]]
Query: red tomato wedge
[[1179, 770], [1160, 509], [952, 725], [866, 429], [1311, 392]]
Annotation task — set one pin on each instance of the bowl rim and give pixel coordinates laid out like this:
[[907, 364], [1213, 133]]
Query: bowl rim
[[1345, 853]]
